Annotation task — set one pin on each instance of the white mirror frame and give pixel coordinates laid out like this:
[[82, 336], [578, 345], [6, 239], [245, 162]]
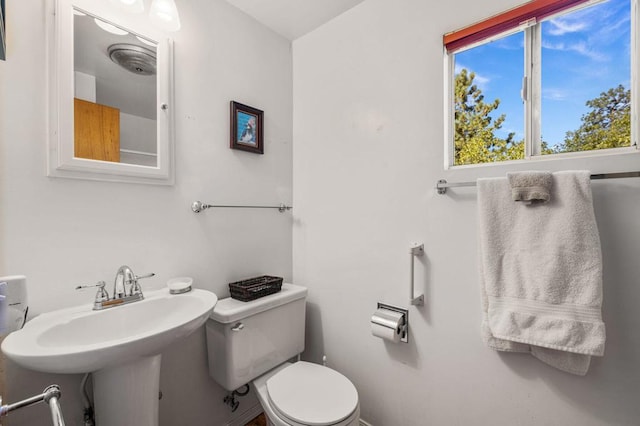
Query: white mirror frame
[[61, 161]]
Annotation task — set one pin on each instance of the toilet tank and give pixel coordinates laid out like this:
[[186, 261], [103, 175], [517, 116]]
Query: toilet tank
[[247, 339]]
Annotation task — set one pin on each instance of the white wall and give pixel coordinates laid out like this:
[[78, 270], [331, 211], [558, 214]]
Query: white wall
[[368, 150], [61, 233], [368, 129], [138, 134], [84, 86]]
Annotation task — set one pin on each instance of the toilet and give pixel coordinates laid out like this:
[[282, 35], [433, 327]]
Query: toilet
[[254, 342]]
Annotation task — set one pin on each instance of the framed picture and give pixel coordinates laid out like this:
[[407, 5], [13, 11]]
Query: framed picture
[[3, 40], [246, 128]]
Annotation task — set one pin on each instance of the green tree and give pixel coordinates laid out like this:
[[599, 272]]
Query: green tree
[[606, 125], [475, 139]]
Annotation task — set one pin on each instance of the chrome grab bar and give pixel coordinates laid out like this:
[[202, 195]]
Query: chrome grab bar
[[416, 249], [50, 395]]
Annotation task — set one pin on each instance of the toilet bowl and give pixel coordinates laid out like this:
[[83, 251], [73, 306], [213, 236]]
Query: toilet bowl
[[252, 342], [305, 394]]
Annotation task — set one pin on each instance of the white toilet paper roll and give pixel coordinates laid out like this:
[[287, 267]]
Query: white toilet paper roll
[[387, 324], [385, 333]]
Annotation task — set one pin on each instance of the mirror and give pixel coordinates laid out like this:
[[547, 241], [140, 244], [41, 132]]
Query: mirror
[[110, 101], [114, 93]]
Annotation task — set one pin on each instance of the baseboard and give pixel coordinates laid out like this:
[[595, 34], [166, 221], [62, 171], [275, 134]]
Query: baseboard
[[363, 423], [246, 416]]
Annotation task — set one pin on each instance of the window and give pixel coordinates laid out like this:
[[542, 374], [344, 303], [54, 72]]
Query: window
[[549, 77]]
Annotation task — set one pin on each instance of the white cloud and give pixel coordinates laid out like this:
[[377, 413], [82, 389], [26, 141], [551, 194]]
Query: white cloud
[[580, 48], [584, 50], [517, 133], [563, 26], [554, 94], [612, 31], [480, 80]]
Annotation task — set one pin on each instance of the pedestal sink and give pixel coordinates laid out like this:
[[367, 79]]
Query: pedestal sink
[[121, 346]]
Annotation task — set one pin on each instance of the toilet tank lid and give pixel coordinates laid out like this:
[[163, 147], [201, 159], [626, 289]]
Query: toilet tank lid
[[229, 310]]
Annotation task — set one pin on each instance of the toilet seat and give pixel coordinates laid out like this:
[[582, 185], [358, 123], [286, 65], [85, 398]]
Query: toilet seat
[[312, 395]]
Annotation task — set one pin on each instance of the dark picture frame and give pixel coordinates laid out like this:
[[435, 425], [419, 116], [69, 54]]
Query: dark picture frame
[[247, 132], [3, 40]]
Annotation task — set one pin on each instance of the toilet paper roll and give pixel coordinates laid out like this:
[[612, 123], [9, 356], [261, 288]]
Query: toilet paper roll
[[387, 324], [385, 333], [14, 307]]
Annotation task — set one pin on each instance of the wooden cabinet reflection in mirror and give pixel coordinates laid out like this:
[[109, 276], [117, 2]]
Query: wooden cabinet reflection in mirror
[[97, 131]]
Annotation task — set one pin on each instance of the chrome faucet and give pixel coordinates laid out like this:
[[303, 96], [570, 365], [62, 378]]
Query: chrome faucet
[[125, 277], [121, 293]]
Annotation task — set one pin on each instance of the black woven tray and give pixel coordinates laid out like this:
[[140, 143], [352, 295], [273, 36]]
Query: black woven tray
[[254, 288]]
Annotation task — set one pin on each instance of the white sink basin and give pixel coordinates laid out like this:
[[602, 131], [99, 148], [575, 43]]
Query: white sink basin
[[81, 340]]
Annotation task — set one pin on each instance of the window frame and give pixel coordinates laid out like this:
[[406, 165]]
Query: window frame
[[532, 85]]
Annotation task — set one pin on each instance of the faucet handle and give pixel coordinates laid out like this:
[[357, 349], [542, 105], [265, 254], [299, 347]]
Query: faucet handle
[[99, 284], [101, 295], [135, 286], [139, 277]]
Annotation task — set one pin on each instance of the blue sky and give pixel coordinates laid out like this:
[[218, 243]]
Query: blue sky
[[584, 53]]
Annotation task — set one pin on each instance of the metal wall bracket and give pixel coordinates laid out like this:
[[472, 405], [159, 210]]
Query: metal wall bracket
[[441, 187], [417, 249]]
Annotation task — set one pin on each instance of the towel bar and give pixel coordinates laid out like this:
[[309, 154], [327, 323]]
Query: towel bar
[[50, 395], [442, 184], [198, 206]]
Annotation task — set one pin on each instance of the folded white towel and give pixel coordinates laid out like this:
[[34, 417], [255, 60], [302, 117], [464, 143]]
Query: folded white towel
[[530, 187], [541, 273]]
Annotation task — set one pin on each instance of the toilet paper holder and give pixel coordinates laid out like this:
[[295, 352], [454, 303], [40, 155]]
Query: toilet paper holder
[[403, 327]]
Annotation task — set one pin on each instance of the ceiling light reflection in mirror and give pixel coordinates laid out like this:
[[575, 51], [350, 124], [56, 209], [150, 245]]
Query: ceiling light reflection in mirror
[[164, 14], [133, 6]]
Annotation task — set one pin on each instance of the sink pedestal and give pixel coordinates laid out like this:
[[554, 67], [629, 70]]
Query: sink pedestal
[[127, 394], [120, 345]]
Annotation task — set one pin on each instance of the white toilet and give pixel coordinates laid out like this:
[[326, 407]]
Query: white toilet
[[251, 342]]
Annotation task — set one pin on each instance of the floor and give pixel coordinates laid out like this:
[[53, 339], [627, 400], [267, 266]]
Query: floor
[[258, 421]]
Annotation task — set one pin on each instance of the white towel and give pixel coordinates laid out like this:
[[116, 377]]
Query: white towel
[[541, 273], [530, 187]]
